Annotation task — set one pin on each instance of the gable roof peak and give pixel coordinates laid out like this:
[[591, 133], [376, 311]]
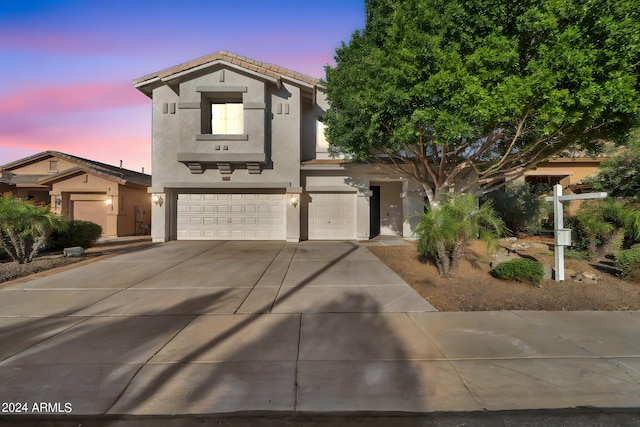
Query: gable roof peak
[[114, 172], [266, 69]]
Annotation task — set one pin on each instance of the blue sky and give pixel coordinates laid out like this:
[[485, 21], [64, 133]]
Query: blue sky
[[66, 66]]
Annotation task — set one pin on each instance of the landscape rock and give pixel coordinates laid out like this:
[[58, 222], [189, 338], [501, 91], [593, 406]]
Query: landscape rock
[[73, 251], [586, 277], [499, 259], [548, 273]]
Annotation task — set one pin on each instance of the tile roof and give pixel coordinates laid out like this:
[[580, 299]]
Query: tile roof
[[270, 70], [115, 173]]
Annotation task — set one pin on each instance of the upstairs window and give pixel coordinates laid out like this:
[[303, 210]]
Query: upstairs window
[[53, 165], [227, 118]]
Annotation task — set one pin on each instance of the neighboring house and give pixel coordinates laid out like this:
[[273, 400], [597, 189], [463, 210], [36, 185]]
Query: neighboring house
[[568, 172], [77, 188], [239, 153]]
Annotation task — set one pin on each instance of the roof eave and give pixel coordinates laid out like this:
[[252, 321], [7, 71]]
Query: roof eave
[[171, 78]]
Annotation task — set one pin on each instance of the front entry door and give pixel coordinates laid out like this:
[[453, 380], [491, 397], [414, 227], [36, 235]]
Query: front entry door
[[374, 212]]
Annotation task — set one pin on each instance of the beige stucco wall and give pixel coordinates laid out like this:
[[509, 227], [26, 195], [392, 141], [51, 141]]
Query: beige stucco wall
[[120, 214], [41, 167], [575, 169], [390, 208], [570, 171]]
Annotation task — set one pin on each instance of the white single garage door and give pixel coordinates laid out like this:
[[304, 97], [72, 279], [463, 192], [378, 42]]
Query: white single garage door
[[332, 216], [231, 217]]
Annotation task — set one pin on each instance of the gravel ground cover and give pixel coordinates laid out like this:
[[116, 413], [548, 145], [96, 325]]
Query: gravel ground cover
[[474, 289]]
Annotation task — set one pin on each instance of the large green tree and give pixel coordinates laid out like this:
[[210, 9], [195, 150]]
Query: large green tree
[[475, 92]]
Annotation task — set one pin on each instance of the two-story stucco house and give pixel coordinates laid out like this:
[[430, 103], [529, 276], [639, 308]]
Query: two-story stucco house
[[239, 153]]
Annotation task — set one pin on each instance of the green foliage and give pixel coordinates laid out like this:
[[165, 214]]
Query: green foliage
[[445, 87], [520, 206], [521, 270], [580, 255], [619, 176], [24, 228], [606, 226], [443, 233], [629, 262], [77, 233]]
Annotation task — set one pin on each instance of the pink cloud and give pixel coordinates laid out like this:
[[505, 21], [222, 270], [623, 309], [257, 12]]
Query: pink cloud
[[42, 41], [66, 41], [48, 100], [310, 63]]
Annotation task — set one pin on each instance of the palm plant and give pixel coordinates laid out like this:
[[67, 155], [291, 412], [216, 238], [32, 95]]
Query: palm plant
[[607, 226], [24, 228], [444, 233]]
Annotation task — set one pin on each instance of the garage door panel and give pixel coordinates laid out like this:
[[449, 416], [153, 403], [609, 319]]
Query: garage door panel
[[231, 216], [90, 210], [332, 216]]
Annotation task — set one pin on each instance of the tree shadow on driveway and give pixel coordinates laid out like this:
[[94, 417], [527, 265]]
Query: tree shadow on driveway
[[177, 360]]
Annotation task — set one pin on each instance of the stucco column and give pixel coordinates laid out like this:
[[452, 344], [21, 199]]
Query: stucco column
[[412, 206], [159, 224], [293, 206], [56, 203], [363, 214]]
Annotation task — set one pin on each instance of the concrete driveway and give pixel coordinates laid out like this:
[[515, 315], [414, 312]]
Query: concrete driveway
[[315, 327]]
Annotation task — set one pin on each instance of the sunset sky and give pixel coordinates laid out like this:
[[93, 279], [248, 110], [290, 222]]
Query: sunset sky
[[66, 66]]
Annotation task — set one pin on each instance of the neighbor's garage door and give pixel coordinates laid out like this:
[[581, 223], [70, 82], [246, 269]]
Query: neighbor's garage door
[[231, 217], [332, 216], [90, 210]]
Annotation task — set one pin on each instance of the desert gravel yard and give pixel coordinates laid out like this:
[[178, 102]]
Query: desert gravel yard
[[474, 289]]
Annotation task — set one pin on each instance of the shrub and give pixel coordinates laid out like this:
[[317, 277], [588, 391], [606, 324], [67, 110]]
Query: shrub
[[629, 262], [25, 227], [607, 226], [521, 206], [521, 270], [77, 233], [444, 232]]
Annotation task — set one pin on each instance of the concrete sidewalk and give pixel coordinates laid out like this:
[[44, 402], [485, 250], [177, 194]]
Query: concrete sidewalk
[[271, 327]]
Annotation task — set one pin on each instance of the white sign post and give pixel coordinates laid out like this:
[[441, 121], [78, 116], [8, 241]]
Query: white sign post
[[563, 235]]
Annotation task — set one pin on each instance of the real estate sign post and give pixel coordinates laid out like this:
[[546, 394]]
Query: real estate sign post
[[563, 235]]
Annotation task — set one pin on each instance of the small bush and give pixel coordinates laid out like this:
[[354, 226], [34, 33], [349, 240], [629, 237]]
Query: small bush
[[521, 270], [629, 262], [77, 233]]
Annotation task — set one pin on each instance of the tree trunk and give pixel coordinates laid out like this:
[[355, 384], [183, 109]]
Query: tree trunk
[[37, 245], [8, 248], [442, 260], [18, 246], [434, 195], [457, 254]]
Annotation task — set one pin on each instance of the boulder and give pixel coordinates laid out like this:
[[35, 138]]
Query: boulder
[[73, 251]]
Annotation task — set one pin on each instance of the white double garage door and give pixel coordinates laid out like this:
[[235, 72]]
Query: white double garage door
[[246, 216]]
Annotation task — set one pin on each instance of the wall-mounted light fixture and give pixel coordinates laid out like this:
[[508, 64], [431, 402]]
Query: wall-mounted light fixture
[[157, 199], [58, 201], [108, 201], [294, 201]]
